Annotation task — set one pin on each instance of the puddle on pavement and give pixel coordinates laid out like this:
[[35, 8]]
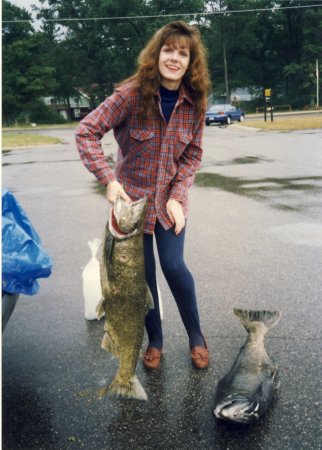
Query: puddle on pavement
[[18, 164], [282, 193], [41, 162], [244, 160], [236, 161]]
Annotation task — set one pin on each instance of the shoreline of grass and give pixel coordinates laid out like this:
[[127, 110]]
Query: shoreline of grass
[[286, 123], [40, 126], [11, 141]]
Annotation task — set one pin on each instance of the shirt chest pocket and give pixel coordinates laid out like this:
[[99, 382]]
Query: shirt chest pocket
[[181, 142], [141, 141]]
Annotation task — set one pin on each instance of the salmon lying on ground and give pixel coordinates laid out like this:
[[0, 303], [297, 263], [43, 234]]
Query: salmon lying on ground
[[246, 391]]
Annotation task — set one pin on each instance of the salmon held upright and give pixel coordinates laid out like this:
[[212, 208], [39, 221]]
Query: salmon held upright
[[126, 296], [245, 393]]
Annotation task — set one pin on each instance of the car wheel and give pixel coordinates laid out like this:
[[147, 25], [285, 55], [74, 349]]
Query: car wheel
[[228, 120], [242, 118]]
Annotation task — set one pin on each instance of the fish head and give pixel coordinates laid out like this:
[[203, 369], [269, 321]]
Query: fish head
[[129, 216], [237, 408]]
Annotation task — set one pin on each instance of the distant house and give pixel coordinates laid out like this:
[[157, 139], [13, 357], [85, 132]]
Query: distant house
[[75, 108], [237, 95], [241, 94]]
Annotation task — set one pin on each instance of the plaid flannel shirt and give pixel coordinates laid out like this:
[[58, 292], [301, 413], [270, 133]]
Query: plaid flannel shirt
[[154, 158]]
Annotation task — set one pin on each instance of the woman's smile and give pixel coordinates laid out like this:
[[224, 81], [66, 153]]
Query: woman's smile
[[173, 64]]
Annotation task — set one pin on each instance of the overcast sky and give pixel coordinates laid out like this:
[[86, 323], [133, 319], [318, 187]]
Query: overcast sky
[[28, 6], [25, 3]]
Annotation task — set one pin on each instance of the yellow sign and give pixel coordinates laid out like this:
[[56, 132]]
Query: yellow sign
[[268, 92]]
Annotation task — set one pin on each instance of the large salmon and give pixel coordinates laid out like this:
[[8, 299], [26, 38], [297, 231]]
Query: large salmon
[[126, 296], [245, 393]]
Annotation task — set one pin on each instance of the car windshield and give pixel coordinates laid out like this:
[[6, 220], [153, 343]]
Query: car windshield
[[218, 108]]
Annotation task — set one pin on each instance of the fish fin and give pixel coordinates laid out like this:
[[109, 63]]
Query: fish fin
[[132, 389], [107, 343], [100, 309], [249, 318], [109, 244], [105, 263]]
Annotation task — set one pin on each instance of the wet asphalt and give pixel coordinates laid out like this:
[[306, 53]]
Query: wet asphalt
[[254, 240]]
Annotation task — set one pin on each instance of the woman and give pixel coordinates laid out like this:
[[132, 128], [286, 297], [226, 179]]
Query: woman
[[158, 116]]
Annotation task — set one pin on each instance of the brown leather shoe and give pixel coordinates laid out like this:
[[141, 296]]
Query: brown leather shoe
[[152, 358], [200, 356]]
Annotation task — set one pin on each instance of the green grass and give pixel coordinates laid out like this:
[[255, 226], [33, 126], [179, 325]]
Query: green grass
[[41, 127], [286, 123], [13, 140]]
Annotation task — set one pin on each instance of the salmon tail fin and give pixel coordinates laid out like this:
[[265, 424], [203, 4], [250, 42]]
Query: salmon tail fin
[[252, 319], [131, 389]]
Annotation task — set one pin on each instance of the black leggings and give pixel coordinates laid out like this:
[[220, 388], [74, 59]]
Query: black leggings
[[170, 249]]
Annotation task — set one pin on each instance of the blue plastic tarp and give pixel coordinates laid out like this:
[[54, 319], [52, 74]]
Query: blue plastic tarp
[[23, 258]]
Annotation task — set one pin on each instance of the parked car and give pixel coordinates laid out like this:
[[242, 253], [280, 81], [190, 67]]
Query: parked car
[[224, 114]]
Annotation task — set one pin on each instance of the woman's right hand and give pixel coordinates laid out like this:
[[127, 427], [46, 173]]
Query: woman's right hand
[[175, 213], [114, 189]]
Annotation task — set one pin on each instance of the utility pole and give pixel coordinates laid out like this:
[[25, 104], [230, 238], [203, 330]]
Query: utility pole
[[317, 83], [226, 72], [223, 40]]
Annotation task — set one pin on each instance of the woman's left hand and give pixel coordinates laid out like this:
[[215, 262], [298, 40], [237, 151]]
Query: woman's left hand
[[175, 212]]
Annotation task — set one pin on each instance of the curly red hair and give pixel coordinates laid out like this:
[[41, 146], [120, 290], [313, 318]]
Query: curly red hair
[[196, 79]]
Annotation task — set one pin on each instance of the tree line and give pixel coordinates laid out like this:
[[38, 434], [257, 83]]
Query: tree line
[[251, 44]]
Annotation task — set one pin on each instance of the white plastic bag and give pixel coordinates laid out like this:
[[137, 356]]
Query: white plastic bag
[[92, 283]]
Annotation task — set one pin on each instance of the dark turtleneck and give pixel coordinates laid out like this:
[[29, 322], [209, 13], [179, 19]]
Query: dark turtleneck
[[168, 101]]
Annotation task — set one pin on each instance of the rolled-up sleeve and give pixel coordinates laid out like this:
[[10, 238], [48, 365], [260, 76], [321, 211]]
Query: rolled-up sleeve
[[109, 114], [189, 162]]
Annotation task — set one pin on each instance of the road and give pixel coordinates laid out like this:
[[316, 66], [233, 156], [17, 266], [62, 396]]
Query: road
[[254, 240]]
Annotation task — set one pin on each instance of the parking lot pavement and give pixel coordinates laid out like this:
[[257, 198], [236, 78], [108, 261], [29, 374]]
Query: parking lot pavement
[[254, 240]]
